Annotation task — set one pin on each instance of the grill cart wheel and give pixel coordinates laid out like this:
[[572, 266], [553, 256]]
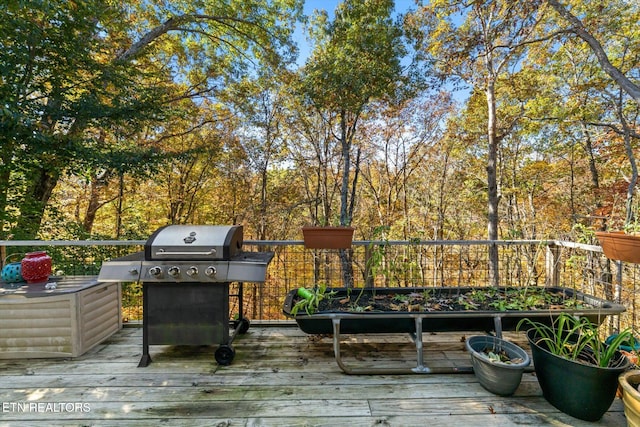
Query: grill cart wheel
[[242, 325], [224, 355]]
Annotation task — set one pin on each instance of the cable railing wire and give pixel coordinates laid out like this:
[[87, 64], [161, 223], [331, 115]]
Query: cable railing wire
[[432, 263]]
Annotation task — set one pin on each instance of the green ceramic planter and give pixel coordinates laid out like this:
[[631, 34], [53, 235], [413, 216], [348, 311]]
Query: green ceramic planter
[[580, 390]]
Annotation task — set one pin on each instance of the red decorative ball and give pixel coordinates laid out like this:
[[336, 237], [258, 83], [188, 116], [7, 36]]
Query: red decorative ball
[[36, 267]]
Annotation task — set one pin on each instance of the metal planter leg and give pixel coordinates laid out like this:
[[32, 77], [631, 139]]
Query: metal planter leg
[[419, 369]]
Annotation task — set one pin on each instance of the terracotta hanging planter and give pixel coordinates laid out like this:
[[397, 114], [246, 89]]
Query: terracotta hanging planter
[[620, 246], [327, 237]]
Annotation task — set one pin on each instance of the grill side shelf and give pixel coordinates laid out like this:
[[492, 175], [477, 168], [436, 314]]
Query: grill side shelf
[[124, 269]]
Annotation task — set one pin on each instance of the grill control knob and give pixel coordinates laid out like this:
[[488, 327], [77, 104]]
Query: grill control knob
[[155, 271], [210, 271], [174, 271], [192, 271]]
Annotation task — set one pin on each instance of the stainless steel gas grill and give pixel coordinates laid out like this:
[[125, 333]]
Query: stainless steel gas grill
[[186, 271]]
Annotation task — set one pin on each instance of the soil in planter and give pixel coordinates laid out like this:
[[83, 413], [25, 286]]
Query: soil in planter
[[500, 356], [481, 299]]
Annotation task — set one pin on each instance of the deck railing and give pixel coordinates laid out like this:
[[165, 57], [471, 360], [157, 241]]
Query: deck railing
[[382, 263]]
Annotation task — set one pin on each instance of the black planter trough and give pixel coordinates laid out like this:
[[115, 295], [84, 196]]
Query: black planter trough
[[338, 322]]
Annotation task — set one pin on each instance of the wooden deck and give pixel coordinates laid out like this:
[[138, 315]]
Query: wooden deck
[[280, 377]]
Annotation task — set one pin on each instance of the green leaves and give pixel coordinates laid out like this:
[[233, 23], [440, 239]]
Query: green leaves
[[83, 83], [310, 299], [576, 338], [357, 58]]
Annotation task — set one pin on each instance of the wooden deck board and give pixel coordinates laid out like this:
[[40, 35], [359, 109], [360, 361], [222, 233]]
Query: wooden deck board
[[280, 377]]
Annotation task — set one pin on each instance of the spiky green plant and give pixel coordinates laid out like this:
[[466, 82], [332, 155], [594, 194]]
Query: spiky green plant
[[310, 299], [576, 339]]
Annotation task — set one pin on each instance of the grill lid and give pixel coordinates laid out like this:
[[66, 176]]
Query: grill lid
[[194, 242]]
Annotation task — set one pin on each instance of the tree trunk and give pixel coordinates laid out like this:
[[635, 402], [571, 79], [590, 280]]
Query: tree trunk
[[262, 231], [346, 158], [92, 207], [36, 199], [588, 147], [98, 183], [346, 255], [119, 207], [5, 175], [630, 217], [593, 170], [492, 182]]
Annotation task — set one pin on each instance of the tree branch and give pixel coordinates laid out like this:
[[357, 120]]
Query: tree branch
[[175, 23], [578, 29], [615, 129]]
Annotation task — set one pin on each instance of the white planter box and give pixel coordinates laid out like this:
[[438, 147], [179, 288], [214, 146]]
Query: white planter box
[[64, 322]]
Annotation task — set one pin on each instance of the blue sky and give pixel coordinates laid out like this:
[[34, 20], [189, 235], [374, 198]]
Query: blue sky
[[330, 5]]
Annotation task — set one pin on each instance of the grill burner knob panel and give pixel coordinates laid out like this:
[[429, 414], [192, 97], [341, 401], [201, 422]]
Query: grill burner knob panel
[[155, 272], [174, 271], [210, 271]]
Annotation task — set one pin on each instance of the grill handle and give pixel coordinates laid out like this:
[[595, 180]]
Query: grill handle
[[163, 253]]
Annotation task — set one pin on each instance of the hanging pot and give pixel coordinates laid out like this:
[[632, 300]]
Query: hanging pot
[[327, 237], [12, 272], [620, 246], [36, 267]]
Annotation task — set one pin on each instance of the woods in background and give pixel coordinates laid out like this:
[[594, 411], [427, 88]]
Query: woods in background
[[447, 121]]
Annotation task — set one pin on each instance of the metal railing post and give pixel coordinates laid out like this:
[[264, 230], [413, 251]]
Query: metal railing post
[[552, 265]]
